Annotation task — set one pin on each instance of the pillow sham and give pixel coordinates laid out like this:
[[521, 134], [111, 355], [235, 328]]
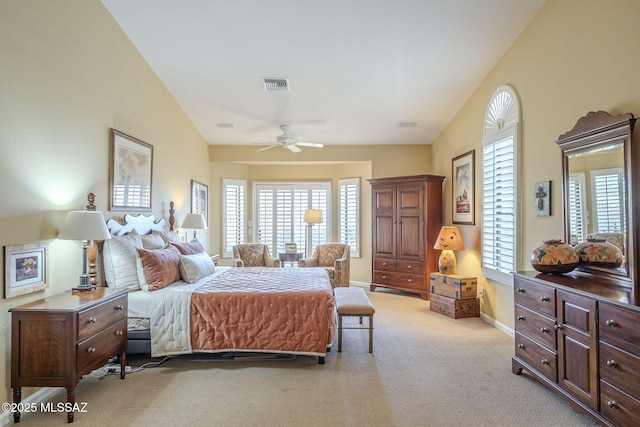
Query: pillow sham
[[160, 267], [195, 266], [169, 236], [193, 247], [119, 257], [152, 241]]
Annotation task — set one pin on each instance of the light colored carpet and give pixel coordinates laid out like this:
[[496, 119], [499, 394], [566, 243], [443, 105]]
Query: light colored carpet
[[426, 370]]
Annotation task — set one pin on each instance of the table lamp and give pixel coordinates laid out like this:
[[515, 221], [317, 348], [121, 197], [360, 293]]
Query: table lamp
[[195, 222], [311, 217], [85, 226], [448, 240]]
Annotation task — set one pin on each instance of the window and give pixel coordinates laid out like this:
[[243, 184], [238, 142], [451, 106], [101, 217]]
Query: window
[[234, 214], [349, 212], [577, 208], [608, 200], [499, 183], [279, 216]]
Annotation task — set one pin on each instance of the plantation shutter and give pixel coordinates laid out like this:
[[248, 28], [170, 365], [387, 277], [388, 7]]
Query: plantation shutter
[[234, 207], [348, 214], [608, 200], [577, 207]]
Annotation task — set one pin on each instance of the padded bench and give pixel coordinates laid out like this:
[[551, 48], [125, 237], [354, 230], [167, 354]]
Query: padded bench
[[353, 302]]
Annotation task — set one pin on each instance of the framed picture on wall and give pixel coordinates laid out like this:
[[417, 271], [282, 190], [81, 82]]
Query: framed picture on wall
[[130, 173], [199, 198], [25, 268], [542, 194], [463, 173]]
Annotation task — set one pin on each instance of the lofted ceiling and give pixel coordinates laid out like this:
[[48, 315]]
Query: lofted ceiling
[[359, 71]]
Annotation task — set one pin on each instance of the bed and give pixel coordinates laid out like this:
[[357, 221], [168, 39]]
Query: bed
[[181, 303]]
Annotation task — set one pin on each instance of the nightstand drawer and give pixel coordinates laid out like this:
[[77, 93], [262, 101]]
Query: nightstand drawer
[[97, 318], [93, 352]]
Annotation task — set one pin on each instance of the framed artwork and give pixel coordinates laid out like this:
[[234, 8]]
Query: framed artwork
[[130, 173], [542, 194], [291, 248], [25, 268], [200, 199], [463, 172]]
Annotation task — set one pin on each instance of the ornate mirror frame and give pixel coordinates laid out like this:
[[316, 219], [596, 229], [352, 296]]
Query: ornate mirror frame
[[595, 133]]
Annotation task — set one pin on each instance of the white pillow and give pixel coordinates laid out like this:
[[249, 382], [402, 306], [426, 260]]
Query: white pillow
[[168, 236], [152, 241], [119, 255], [196, 266]]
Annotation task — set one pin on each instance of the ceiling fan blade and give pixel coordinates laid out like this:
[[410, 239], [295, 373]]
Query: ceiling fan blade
[[310, 144], [293, 148], [266, 148]]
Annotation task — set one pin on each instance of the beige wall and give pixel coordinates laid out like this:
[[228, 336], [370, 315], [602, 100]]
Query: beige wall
[[328, 164], [67, 75], [576, 56]]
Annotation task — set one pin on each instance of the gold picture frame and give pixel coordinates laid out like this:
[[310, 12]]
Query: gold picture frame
[[463, 173], [291, 248]]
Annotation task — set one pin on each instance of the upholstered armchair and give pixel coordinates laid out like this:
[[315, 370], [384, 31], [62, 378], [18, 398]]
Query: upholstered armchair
[[333, 257], [253, 255]]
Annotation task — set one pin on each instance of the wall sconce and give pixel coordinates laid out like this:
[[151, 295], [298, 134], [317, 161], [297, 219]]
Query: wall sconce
[[448, 240]]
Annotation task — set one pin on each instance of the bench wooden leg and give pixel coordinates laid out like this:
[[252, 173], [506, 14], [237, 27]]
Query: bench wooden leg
[[371, 334], [339, 333]]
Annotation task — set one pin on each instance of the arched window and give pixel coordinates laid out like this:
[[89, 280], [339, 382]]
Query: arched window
[[499, 215]]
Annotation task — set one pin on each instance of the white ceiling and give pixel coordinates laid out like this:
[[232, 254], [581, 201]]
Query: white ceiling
[[356, 68]]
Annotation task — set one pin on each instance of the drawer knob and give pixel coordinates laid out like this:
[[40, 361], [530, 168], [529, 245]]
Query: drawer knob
[[612, 363], [544, 299], [119, 307], [521, 346], [557, 327], [520, 317], [612, 404], [410, 280], [384, 277], [408, 266], [610, 322], [119, 333], [91, 350], [92, 320], [520, 290], [545, 361], [544, 330], [384, 263]]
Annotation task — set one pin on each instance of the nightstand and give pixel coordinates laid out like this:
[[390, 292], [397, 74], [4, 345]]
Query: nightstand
[[58, 339], [454, 296]]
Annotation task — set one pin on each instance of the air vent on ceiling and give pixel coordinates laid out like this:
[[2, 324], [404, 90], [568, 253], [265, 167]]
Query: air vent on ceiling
[[225, 125], [407, 124], [275, 84]]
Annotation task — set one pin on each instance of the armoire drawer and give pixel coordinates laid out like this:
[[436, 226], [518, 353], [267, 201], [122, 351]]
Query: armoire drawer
[[411, 267], [401, 280], [384, 264]]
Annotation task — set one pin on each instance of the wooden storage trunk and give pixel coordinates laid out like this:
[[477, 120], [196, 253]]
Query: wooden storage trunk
[[455, 308], [453, 286]]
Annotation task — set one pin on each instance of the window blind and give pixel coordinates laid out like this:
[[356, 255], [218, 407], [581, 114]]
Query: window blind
[[349, 210], [577, 214], [608, 200], [233, 211]]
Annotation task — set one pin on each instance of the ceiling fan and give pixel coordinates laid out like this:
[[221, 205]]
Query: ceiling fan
[[287, 141]]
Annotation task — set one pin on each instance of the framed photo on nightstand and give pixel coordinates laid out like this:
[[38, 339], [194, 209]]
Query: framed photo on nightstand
[[25, 268]]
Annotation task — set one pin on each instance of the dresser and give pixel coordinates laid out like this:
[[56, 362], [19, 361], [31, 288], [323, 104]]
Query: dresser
[[407, 217], [579, 336], [58, 339]]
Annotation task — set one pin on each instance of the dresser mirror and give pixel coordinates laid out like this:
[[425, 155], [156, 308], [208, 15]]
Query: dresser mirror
[[597, 162]]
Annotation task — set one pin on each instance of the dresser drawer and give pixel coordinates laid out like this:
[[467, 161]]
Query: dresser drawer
[[537, 356], [618, 407], [536, 296], [536, 326], [97, 318], [93, 351], [620, 368], [384, 264], [619, 327], [411, 267], [400, 280]]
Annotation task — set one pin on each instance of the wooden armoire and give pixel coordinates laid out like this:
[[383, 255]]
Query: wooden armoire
[[407, 217]]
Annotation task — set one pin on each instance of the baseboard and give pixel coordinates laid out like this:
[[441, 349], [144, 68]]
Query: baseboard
[[364, 285], [499, 326], [39, 396]]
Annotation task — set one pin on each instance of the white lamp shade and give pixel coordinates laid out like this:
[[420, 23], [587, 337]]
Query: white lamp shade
[[194, 221], [84, 225], [313, 216]]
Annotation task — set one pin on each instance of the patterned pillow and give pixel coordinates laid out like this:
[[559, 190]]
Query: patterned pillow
[[193, 247], [119, 255], [160, 267], [195, 266]]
